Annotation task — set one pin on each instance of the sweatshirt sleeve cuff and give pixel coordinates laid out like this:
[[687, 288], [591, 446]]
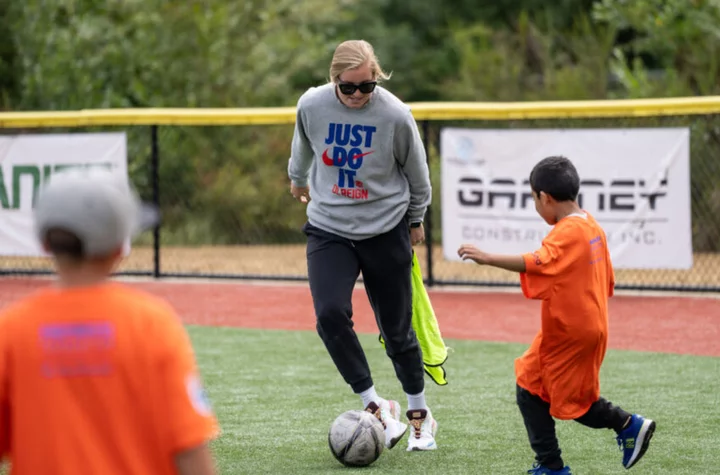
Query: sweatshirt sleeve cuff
[[416, 216]]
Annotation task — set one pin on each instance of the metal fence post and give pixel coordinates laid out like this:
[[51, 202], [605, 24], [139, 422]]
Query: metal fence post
[[155, 183], [428, 215]]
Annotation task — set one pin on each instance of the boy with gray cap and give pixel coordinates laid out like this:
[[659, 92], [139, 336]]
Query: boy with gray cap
[[95, 376]]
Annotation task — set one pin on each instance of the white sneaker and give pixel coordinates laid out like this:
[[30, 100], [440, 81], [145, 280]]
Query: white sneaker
[[424, 428], [389, 414]]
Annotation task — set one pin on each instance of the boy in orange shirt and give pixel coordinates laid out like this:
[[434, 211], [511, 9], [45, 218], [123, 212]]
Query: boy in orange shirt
[[96, 377], [558, 376]]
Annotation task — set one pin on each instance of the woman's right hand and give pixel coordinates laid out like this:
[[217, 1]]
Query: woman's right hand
[[300, 193]]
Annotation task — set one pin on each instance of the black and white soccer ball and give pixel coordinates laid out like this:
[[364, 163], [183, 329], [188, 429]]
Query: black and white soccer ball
[[356, 438]]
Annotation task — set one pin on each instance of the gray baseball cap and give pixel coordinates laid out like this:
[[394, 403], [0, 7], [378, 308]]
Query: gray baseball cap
[[97, 205]]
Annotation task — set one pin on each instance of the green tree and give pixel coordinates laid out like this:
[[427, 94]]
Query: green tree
[[9, 61], [530, 62], [228, 184], [674, 50], [680, 37], [209, 53]]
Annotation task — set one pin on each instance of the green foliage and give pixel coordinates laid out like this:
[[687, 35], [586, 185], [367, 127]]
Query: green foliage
[[527, 63], [168, 54], [674, 50], [9, 67], [681, 38], [216, 183], [226, 185]]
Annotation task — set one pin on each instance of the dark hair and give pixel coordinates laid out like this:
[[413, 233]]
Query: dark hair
[[557, 177], [64, 243]]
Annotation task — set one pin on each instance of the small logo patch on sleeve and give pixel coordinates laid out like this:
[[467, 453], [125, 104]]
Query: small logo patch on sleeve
[[536, 256], [198, 396]]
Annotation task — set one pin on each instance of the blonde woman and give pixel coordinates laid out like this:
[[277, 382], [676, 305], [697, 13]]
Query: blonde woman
[[358, 161]]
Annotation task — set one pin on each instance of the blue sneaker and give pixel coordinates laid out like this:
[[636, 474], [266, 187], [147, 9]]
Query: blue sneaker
[[540, 470], [635, 438]]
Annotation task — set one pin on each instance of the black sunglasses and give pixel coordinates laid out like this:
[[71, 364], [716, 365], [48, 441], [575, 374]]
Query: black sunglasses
[[349, 89]]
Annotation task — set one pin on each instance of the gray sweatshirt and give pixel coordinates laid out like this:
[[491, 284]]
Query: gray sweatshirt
[[366, 168]]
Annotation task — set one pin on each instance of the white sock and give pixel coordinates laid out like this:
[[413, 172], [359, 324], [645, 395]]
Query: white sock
[[416, 401], [370, 395]]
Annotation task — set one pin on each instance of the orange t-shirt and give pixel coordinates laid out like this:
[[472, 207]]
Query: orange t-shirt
[[101, 379], [573, 276]]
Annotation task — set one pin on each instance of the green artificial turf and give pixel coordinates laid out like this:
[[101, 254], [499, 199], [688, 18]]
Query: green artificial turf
[[277, 392]]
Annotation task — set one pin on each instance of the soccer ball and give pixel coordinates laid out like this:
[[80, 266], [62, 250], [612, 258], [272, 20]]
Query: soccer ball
[[356, 438]]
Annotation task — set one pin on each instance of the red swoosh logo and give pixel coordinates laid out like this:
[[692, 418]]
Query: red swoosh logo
[[355, 157], [329, 161], [326, 159]]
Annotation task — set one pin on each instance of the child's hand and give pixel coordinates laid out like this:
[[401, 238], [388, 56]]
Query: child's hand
[[468, 251]]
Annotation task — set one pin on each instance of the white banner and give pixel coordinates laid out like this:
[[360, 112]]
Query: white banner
[[28, 161], [636, 182]]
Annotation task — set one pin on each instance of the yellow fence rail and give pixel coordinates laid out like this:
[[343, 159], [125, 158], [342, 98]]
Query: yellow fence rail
[[422, 111]]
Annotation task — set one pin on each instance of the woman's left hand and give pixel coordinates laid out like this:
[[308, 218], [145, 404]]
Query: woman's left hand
[[417, 235]]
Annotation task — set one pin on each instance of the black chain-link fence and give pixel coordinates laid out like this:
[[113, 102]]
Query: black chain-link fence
[[227, 210], [704, 195]]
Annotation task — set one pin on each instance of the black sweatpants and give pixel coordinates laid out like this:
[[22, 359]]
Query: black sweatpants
[[540, 424], [334, 264]]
